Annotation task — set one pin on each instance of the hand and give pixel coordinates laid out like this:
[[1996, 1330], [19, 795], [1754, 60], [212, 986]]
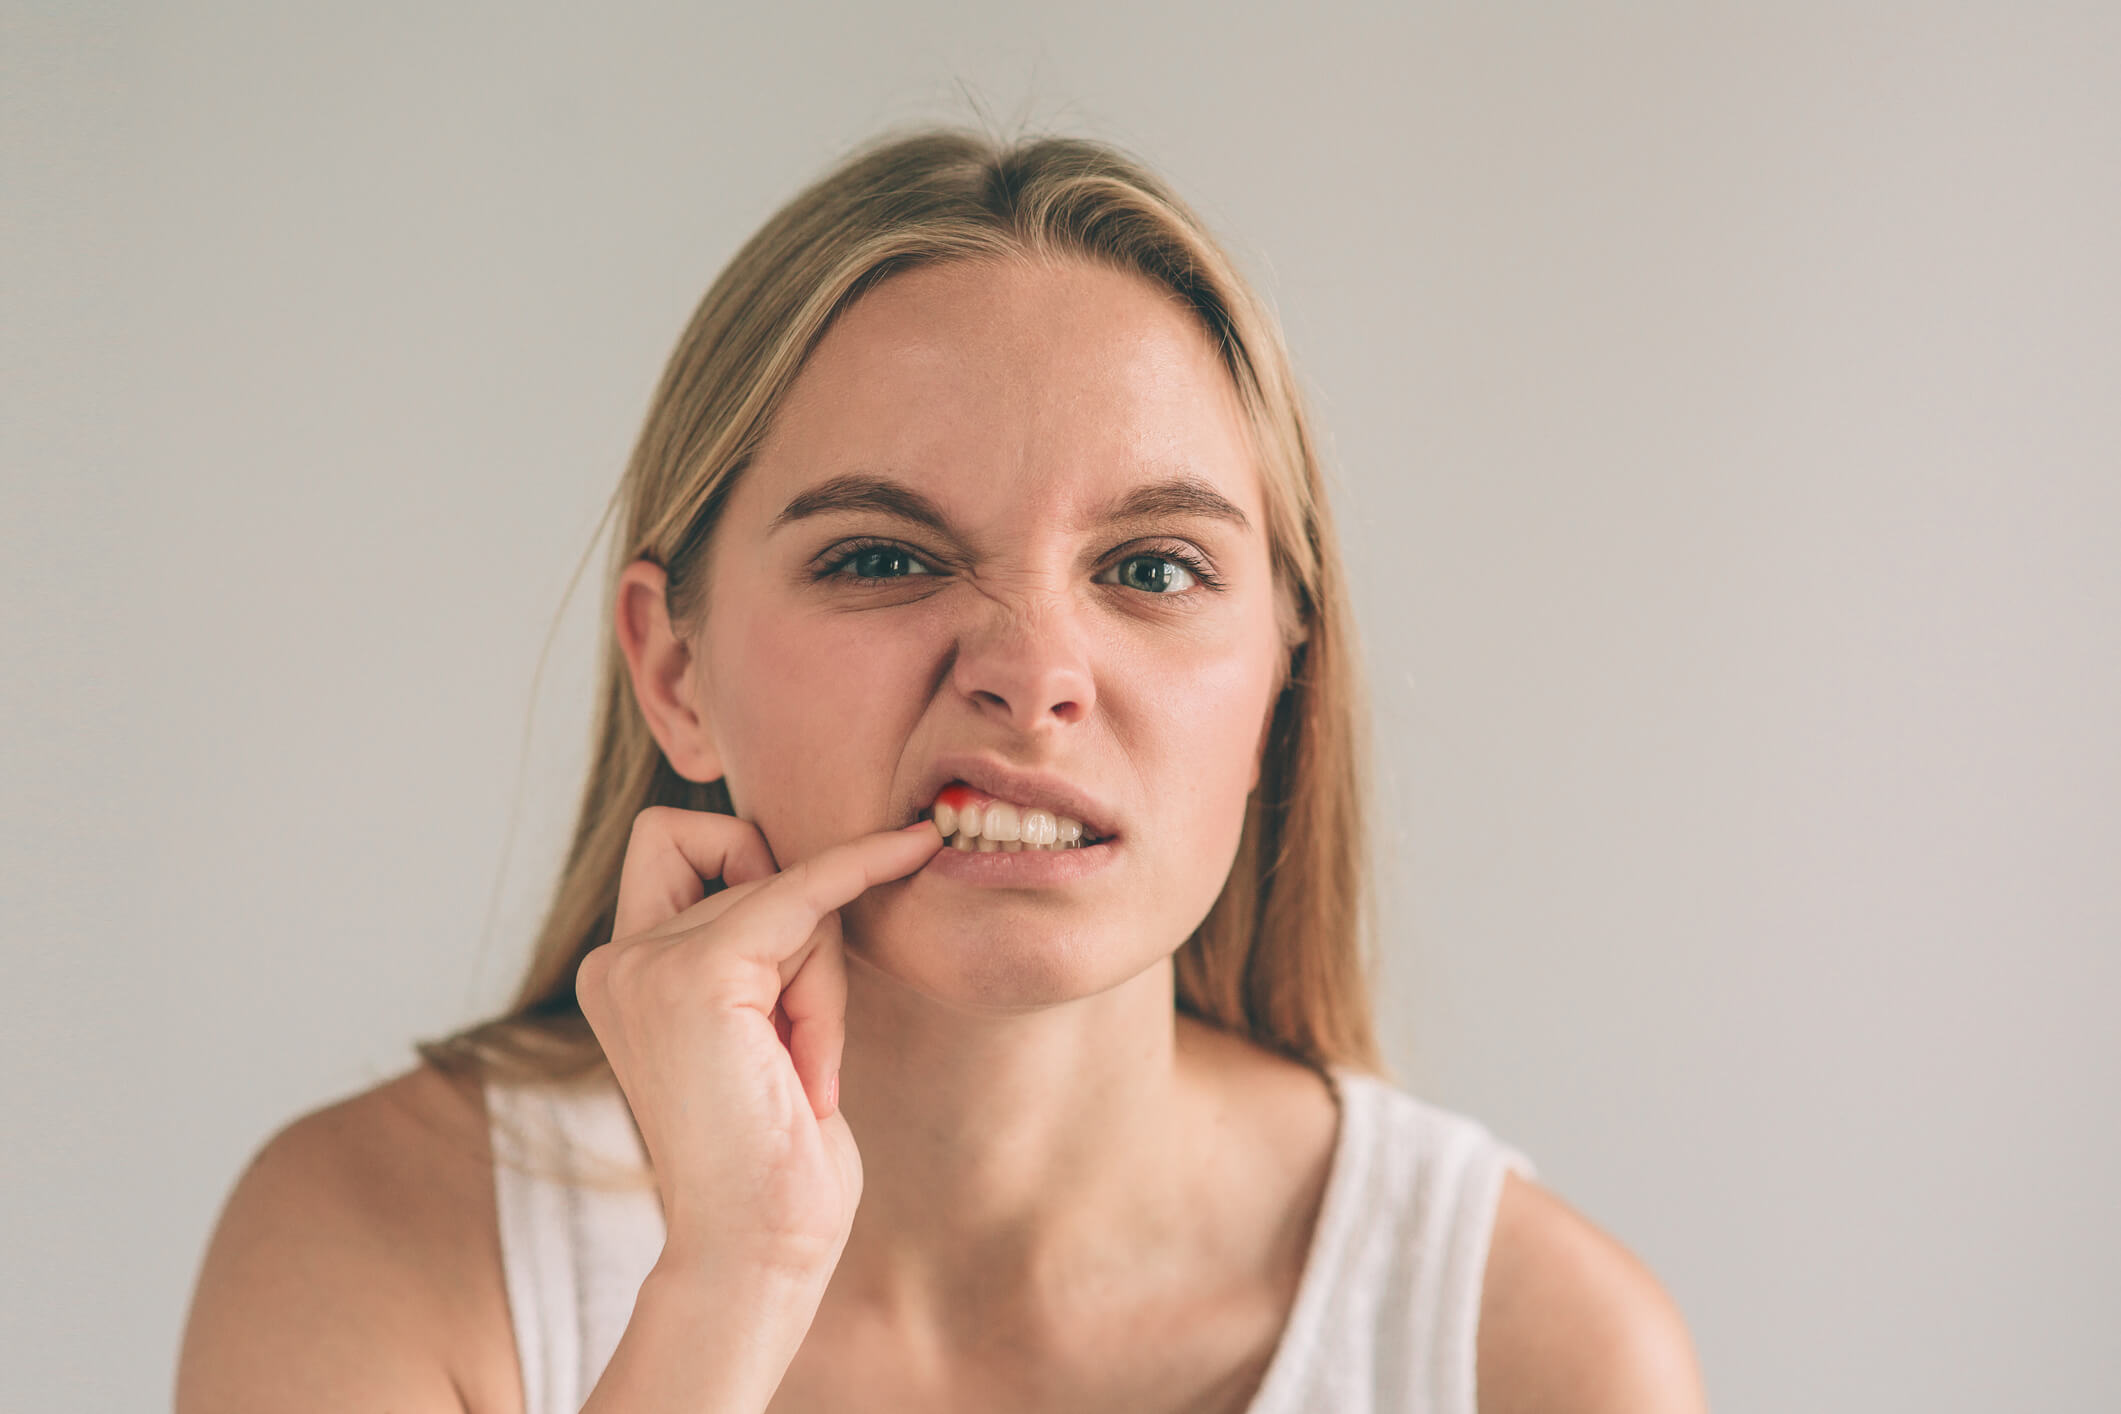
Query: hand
[[724, 1018]]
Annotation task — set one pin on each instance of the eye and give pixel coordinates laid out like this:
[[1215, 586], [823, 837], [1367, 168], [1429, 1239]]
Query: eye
[[874, 561], [1167, 573]]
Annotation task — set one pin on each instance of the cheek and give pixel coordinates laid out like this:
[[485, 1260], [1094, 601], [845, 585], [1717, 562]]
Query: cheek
[[809, 711], [771, 684], [1195, 737], [1201, 728]]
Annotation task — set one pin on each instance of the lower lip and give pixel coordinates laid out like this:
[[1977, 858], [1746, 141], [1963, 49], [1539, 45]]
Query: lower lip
[[1021, 868]]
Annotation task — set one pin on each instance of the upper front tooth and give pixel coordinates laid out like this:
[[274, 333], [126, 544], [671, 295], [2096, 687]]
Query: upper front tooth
[[963, 814]]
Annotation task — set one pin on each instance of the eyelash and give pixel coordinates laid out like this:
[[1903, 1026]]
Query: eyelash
[[843, 555]]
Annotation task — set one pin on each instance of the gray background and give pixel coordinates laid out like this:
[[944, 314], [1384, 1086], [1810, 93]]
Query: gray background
[[1724, 414]]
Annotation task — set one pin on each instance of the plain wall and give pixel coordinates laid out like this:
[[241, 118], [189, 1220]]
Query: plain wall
[[1722, 409]]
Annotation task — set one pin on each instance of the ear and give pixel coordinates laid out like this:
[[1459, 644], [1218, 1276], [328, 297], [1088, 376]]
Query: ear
[[663, 668]]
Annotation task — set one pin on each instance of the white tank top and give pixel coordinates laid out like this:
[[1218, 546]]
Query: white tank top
[[1385, 1316]]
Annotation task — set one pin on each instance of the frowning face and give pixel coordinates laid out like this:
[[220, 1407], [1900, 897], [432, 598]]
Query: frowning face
[[1006, 531]]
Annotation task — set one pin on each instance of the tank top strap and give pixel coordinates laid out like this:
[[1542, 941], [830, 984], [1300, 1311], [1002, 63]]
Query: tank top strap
[[1386, 1319], [581, 1226]]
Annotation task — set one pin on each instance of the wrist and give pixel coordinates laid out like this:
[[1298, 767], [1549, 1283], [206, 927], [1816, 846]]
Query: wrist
[[773, 1284], [722, 1336], [783, 1271]]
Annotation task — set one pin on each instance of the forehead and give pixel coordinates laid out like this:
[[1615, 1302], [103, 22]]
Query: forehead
[[1011, 389]]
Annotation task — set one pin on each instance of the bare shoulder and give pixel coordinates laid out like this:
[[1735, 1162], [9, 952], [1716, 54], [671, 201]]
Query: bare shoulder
[[356, 1264], [1571, 1322]]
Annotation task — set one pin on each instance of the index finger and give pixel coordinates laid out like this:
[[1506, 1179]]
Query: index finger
[[672, 854], [777, 919]]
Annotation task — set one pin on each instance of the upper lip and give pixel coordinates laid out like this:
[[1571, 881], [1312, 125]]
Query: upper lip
[[1020, 787]]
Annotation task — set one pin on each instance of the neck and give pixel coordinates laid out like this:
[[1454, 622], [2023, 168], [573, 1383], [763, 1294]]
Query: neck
[[1021, 1153]]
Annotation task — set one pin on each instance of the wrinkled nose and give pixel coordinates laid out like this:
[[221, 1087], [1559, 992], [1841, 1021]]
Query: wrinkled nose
[[1025, 666]]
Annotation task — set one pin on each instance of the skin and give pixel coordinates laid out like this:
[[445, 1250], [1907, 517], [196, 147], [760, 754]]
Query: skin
[[1073, 1197]]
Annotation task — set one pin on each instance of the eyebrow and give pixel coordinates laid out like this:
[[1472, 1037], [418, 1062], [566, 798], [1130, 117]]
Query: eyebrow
[[1183, 495]]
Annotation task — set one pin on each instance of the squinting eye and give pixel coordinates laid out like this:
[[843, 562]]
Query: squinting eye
[[879, 562], [1164, 574], [1170, 573]]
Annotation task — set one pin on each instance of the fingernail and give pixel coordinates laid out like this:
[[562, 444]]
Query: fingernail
[[832, 1093]]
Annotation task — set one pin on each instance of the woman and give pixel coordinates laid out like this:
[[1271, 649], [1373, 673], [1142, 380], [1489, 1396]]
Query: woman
[[977, 502]]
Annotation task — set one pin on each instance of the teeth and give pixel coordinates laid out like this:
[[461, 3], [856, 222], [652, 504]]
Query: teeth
[[1000, 826]]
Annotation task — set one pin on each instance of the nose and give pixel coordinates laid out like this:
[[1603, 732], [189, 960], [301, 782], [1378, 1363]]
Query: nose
[[1025, 664]]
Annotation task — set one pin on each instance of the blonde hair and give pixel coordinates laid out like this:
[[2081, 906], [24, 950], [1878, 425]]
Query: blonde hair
[[1284, 955]]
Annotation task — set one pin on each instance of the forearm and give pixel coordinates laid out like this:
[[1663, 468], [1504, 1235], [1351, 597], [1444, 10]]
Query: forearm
[[706, 1343]]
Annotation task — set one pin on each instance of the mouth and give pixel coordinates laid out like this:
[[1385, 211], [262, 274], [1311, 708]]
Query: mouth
[[972, 821]]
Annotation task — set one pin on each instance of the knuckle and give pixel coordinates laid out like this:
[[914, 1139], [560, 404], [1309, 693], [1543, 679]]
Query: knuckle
[[722, 989], [589, 975], [622, 968]]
